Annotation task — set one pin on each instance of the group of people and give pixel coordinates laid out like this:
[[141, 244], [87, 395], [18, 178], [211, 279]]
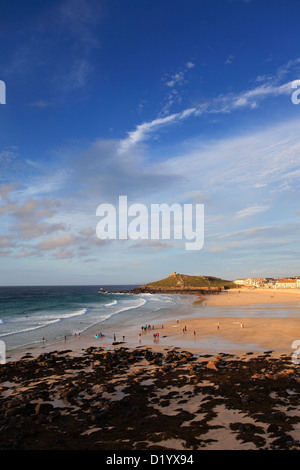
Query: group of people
[[99, 335], [147, 327]]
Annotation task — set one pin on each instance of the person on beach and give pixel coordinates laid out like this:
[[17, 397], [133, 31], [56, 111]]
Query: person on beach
[[140, 337], [156, 337], [115, 338]]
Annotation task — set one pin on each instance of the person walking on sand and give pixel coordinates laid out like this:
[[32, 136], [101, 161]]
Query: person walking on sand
[[140, 337], [115, 338]]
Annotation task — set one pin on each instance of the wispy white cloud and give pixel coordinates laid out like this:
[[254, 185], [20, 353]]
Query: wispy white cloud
[[175, 83], [229, 59], [143, 131], [269, 87], [261, 159], [253, 210], [154, 245], [57, 242]]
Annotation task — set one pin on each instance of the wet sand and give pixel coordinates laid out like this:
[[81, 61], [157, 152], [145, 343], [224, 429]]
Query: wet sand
[[214, 386], [207, 333]]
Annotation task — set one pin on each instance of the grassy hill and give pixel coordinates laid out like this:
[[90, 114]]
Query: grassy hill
[[176, 280]]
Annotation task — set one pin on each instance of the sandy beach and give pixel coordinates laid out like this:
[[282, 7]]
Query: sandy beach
[[141, 399], [208, 383], [242, 332], [230, 334], [244, 296]]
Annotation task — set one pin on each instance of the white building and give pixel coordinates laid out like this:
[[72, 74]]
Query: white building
[[287, 284], [240, 282]]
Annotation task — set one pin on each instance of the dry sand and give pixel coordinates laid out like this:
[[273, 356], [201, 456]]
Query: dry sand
[[212, 334], [191, 406], [235, 297], [237, 334]]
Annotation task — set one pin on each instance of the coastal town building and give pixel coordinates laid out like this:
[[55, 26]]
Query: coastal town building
[[287, 284], [270, 283], [251, 282], [240, 282], [257, 281]]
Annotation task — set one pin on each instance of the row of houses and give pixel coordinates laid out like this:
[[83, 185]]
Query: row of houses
[[277, 283]]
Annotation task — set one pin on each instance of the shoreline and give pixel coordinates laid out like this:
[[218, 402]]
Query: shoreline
[[257, 334], [215, 390]]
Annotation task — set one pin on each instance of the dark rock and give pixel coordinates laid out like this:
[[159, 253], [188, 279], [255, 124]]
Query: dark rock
[[283, 441], [273, 429], [43, 408]]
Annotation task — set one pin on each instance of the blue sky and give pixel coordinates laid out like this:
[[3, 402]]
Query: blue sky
[[165, 101]]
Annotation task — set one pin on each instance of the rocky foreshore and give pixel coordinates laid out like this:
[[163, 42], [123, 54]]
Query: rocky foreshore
[[132, 399], [173, 290]]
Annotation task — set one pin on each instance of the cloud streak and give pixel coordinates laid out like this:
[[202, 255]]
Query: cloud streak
[[223, 104]]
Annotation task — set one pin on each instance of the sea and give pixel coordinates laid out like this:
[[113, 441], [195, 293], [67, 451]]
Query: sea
[[32, 316]]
